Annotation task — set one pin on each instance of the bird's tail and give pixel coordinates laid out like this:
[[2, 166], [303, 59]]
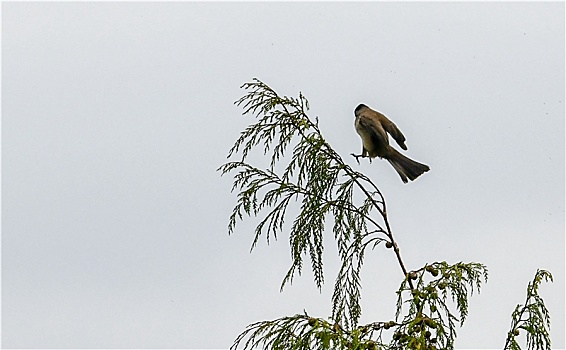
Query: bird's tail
[[406, 167]]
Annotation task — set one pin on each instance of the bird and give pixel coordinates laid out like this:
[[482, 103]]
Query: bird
[[372, 126]]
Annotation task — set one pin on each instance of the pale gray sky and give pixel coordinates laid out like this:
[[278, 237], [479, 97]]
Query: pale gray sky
[[116, 115]]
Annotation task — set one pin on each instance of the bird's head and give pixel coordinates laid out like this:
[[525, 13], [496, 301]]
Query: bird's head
[[359, 109]]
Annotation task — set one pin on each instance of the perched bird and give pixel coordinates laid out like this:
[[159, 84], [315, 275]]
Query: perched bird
[[373, 127]]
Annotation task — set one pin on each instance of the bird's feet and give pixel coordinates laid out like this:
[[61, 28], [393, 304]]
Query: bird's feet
[[357, 156]]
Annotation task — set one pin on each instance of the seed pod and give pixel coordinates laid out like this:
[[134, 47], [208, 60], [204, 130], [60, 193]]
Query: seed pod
[[389, 245], [413, 275], [432, 270], [427, 334], [371, 345], [516, 331], [313, 322]]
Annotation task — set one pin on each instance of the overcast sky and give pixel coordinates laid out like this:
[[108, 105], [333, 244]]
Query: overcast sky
[[115, 117]]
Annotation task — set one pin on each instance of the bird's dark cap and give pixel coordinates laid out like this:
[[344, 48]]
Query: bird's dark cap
[[360, 106]]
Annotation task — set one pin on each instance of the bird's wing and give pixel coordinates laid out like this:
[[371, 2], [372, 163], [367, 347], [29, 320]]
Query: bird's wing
[[394, 131], [373, 134]]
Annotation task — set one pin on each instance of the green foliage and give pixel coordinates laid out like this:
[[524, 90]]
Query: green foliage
[[532, 317], [305, 172], [295, 332], [429, 320], [305, 332]]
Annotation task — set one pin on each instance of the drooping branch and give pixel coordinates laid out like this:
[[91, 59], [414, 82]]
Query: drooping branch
[[317, 177]]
